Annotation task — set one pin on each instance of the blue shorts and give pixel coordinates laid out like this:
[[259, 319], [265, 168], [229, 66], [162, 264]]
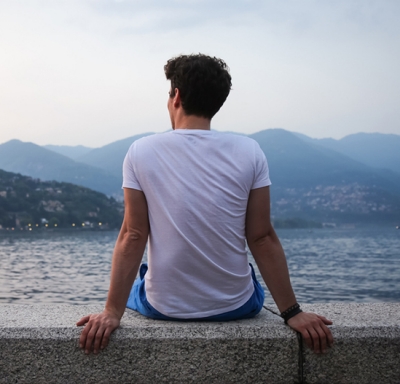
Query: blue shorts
[[138, 302]]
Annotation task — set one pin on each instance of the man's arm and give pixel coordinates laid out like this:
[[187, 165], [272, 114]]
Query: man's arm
[[128, 253], [271, 261]]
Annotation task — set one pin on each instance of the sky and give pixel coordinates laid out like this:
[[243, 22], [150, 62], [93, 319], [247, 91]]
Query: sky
[[90, 72]]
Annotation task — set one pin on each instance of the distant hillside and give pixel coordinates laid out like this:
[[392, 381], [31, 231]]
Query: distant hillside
[[376, 150], [38, 162], [298, 163], [111, 156], [31, 203], [70, 151], [312, 182]]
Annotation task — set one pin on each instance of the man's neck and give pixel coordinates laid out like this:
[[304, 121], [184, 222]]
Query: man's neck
[[192, 122]]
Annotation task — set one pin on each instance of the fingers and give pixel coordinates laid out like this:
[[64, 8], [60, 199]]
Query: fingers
[[325, 320], [101, 339], [316, 345], [98, 340], [93, 337], [315, 339], [322, 341], [106, 338], [307, 339], [328, 335], [96, 334], [83, 321], [313, 328], [84, 336], [89, 338]]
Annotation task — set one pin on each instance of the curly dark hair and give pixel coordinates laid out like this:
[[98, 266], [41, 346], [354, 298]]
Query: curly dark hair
[[204, 83]]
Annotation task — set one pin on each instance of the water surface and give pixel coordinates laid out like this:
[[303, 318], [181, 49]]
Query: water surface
[[326, 265]]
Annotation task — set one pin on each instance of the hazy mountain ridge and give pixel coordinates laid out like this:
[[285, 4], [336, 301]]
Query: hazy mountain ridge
[[38, 162], [72, 152], [296, 163], [111, 156], [376, 150], [317, 183], [310, 180]]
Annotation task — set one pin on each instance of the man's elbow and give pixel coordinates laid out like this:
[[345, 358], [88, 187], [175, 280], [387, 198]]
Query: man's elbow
[[133, 236], [138, 235], [260, 238]]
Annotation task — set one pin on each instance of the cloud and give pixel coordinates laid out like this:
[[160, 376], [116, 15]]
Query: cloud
[[362, 15]]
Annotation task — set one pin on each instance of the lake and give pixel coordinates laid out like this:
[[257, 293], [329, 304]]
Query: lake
[[326, 265]]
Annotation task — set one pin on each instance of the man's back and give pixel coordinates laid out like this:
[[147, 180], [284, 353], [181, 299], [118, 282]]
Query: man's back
[[196, 195], [196, 184]]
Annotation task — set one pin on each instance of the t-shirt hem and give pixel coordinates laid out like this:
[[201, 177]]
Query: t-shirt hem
[[131, 186], [199, 315], [262, 183]]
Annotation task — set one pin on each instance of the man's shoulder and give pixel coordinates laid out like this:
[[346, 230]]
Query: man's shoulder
[[148, 140], [157, 140], [237, 138], [153, 136]]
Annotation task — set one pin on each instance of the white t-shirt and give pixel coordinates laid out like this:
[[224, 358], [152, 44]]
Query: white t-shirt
[[197, 184]]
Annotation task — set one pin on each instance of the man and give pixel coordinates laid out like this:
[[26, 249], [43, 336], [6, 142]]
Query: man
[[197, 196]]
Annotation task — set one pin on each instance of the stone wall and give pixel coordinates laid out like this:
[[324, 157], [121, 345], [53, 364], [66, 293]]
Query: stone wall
[[39, 344]]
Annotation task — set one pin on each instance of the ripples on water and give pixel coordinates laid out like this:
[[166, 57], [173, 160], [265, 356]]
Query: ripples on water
[[55, 267], [354, 265], [357, 265]]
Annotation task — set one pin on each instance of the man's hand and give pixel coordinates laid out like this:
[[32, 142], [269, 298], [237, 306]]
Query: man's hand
[[313, 329], [97, 331]]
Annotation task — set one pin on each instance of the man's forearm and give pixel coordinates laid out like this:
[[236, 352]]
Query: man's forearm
[[271, 261], [126, 260], [128, 253]]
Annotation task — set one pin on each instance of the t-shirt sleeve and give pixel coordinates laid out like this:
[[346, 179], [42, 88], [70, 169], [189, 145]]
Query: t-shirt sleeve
[[129, 178], [261, 175]]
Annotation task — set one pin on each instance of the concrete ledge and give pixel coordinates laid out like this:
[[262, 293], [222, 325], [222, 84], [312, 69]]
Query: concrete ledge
[[367, 345], [39, 344]]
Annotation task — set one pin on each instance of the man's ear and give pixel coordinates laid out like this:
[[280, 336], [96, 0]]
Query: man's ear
[[176, 102]]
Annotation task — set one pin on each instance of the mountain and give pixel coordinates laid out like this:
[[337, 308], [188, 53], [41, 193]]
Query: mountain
[[38, 162], [31, 203], [313, 182], [309, 181], [70, 151], [111, 156], [376, 150], [295, 162]]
